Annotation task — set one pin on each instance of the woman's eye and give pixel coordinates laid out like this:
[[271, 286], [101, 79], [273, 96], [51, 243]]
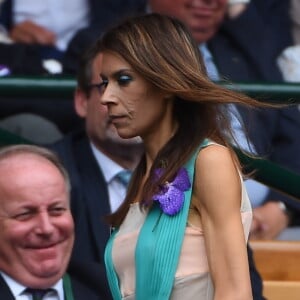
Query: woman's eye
[[124, 79]]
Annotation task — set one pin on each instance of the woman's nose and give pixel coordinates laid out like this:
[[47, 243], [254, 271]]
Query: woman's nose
[[108, 95]]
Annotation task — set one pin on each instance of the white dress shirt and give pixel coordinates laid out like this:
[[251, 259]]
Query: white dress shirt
[[63, 17], [17, 289], [210, 66], [110, 169]]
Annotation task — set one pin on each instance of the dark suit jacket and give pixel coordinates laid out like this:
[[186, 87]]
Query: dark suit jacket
[[246, 48], [256, 280], [80, 291], [89, 204], [103, 13], [275, 134]]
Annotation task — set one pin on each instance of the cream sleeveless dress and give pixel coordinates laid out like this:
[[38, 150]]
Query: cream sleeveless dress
[[192, 279]]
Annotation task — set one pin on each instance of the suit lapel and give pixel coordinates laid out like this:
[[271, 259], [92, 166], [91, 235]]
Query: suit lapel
[[90, 200], [5, 293], [94, 191]]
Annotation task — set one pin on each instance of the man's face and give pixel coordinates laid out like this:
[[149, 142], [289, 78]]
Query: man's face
[[202, 17], [36, 226], [98, 126]]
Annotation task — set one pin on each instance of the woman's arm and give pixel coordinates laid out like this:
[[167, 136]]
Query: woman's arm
[[217, 196]]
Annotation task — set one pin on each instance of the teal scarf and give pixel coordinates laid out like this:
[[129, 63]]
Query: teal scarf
[[158, 248]]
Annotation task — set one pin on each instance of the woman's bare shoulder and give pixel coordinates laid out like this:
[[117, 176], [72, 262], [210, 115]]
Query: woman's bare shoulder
[[214, 157], [216, 175]]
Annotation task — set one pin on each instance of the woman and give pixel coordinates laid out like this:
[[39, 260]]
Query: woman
[[182, 230]]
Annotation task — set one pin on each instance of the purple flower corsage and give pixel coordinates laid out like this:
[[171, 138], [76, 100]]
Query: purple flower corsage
[[171, 194]]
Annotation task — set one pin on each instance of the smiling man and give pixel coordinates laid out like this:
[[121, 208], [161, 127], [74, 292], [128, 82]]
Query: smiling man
[[36, 226]]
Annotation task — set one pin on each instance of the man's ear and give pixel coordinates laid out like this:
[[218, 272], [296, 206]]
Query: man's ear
[[80, 103]]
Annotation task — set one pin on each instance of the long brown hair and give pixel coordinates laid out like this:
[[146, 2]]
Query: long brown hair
[[162, 51]]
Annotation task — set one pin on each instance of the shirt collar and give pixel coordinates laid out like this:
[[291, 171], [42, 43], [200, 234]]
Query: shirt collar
[[109, 168], [17, 288]]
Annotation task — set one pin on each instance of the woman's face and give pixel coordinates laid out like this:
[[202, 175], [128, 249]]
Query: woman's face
[[135, 106]]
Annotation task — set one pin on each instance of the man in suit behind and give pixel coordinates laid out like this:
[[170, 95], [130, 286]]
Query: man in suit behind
[[36, 227], [59, 30], [94, 156]]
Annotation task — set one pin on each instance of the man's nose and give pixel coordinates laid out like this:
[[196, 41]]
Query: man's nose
[[44, 223]]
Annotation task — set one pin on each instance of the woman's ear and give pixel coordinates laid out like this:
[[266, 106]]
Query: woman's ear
[[80, 103]]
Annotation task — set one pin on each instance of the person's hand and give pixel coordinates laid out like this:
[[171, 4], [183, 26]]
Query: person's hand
[[30, 33], [268, 221]]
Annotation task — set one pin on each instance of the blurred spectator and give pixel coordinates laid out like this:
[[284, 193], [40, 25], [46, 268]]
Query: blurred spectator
[[275, 135], [243, 37], [36, 227], [289, 60], [295, 16], [54, 33]]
